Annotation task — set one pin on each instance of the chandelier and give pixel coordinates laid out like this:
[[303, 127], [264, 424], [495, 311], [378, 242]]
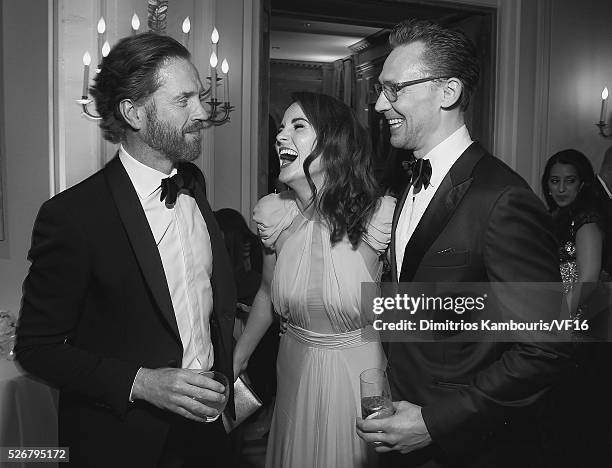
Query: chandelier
[[219, 108]]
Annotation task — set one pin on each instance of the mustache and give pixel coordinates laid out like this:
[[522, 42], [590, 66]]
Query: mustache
[[196, 127]]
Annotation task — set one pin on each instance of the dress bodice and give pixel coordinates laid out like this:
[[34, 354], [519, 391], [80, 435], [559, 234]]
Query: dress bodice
[[567, 224], [317, 285]]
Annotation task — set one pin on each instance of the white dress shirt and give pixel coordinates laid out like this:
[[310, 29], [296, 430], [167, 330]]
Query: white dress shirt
[[442, 158], [184, 246]]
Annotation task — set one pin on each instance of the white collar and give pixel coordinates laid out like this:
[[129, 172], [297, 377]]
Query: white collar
[[445, 153], [145, 179]]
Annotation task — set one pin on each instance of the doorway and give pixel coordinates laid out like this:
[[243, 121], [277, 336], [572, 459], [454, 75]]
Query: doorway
[[368, 21]]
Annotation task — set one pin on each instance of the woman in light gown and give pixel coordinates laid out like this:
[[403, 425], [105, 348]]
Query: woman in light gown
[[323, 238]]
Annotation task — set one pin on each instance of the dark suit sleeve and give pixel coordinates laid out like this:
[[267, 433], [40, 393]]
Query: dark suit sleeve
[[518, 247], [54, 296]]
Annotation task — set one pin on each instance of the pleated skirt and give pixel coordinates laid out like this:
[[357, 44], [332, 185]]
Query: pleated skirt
[[318, 399]]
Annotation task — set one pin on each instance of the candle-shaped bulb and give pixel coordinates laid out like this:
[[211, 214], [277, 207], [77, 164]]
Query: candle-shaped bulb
[[86, 62], [214, 37], [101, 25], [213, 60], [135, 22], [604, 106], [186, 25], [105, 49], [225, 70]]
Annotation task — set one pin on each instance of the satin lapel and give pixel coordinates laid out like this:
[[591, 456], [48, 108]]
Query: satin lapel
[[440, 209], [141, 238], [396, 215]]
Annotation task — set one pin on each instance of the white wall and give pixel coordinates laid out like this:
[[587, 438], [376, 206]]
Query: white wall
[[580, 66], [236, 144], [26, 131]]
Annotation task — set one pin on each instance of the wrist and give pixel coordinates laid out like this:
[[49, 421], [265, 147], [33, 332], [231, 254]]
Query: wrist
[[241, 356], [140, 384]]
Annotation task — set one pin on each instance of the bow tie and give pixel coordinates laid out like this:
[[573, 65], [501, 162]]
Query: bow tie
[[171, 186], [419, 173]]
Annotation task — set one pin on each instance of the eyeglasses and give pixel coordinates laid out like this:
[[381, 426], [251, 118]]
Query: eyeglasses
[[391, 89]]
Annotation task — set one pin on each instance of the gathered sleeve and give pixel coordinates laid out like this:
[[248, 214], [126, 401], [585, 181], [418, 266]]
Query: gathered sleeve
[[273, 214], [378, 232], [588, 217]]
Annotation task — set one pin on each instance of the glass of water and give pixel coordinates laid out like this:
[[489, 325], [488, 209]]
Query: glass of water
[[375, 394]]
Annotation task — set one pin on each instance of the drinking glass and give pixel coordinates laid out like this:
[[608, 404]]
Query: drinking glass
[[220, 406], [375, 394]]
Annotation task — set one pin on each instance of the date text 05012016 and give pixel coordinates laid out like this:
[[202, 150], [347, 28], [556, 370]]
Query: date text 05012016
[[34, 454]]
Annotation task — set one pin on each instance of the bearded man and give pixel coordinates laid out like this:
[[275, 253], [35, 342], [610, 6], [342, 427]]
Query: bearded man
[[130, 294]]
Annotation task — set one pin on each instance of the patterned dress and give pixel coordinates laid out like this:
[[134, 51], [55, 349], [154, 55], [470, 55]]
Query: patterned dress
[[567, 224]]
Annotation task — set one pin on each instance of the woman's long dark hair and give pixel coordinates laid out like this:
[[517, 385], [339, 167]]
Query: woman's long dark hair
[[348, 197], [584, 168]]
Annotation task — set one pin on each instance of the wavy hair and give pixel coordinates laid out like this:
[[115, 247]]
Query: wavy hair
[[583, 167], [130, 71], [348, 198]]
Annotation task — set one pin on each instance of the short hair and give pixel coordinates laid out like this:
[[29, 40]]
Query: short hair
[[130, 71], [448, 53], [583, 167], [350, 193]]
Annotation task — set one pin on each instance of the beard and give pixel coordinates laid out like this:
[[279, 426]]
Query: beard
[[170, 141]]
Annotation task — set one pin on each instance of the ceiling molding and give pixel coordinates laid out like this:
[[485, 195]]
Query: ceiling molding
[[299, 64]]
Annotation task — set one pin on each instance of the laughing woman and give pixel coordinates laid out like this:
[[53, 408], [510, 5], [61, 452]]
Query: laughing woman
[[323, 237]]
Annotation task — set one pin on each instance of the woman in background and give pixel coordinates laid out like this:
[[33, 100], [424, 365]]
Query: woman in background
[[567, 184], [323, 238], [578, 421], [245, 252]]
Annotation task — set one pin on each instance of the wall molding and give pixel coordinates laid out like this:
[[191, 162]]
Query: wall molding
[[507, 78], [51, 90], [299, 64], [542, 90], [204, 20], [250, 112]]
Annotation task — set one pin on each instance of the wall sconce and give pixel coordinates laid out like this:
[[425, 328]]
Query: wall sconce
[[603, 114], [219, 109]]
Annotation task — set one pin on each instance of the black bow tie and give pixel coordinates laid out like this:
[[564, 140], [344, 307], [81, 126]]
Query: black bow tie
[[171, 186], [419, 173]]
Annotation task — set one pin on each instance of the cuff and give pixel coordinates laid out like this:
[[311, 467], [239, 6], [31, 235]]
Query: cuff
[[132, 389]]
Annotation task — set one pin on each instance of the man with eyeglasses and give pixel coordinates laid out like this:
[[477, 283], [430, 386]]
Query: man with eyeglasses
[[464, 217]]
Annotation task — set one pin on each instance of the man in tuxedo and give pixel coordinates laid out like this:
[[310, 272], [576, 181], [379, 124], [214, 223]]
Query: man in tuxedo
[[464, 217], [130, 292]]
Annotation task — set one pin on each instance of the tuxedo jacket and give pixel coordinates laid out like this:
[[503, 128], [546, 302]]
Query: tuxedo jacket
[[484, 224], [96, 307]]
